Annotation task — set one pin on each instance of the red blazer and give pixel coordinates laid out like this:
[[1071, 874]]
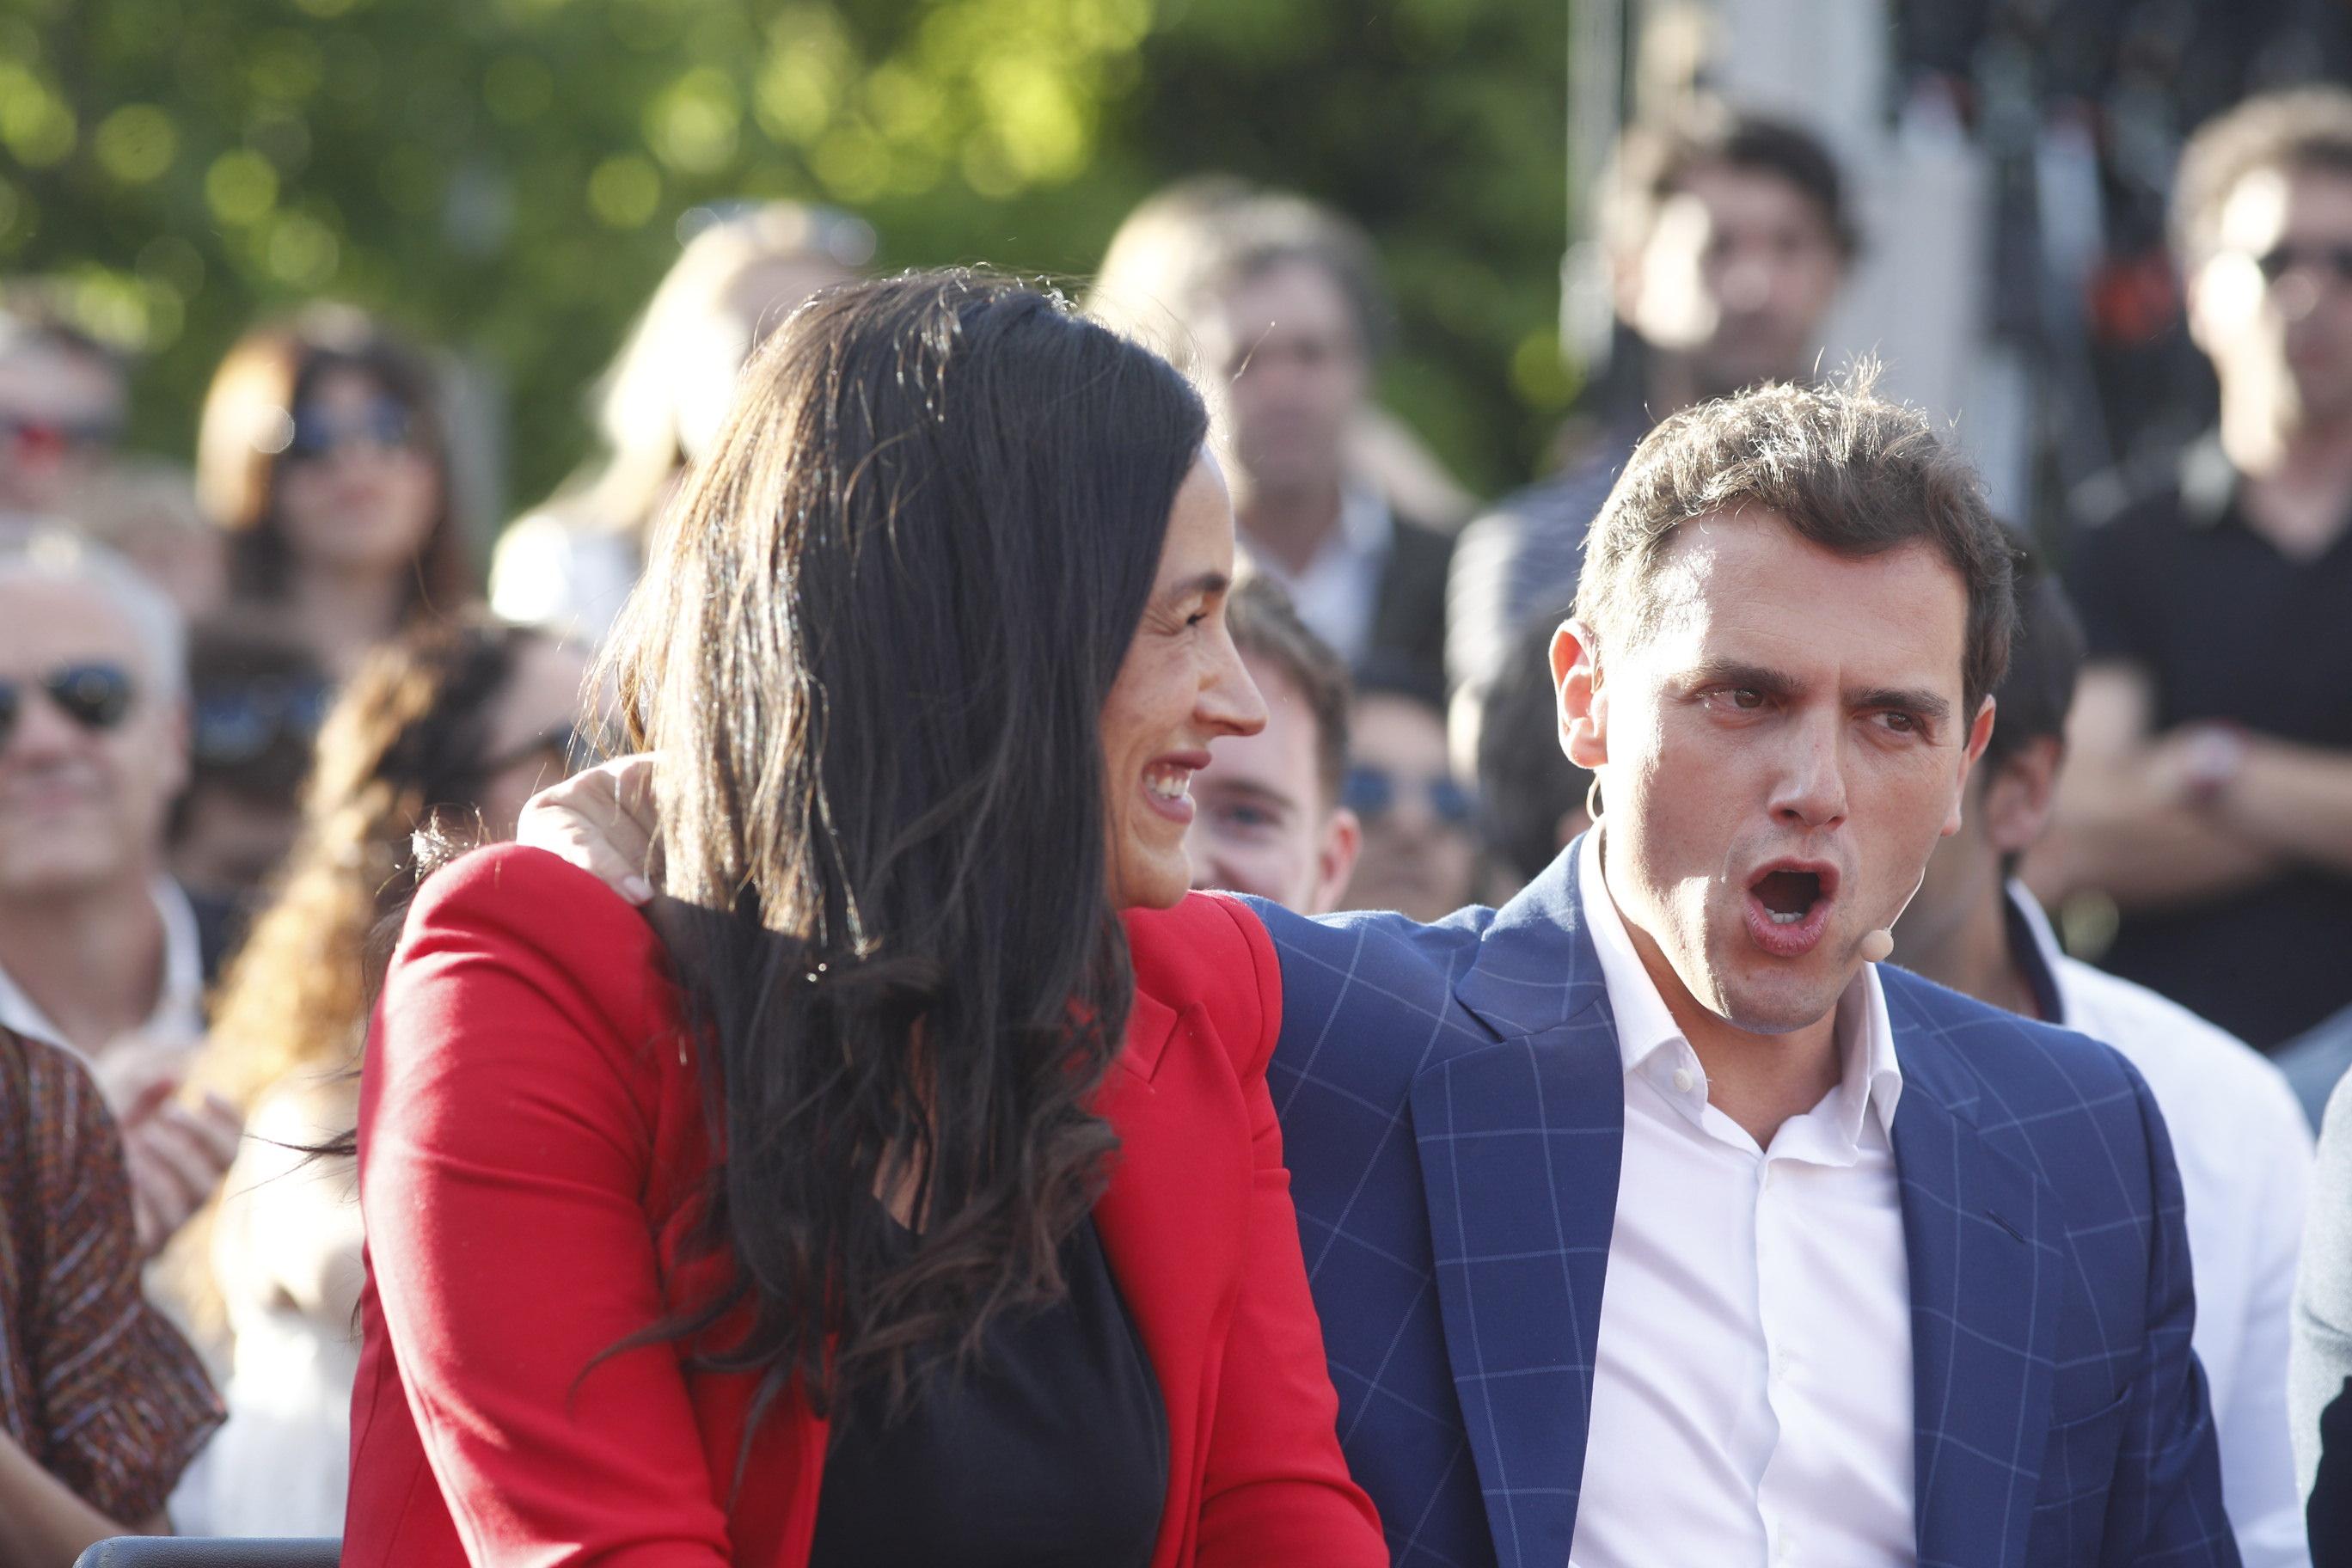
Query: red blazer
[[531, 1135]]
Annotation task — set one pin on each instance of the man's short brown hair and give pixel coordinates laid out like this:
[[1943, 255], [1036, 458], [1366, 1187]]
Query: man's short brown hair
[[2307, 128], [1849, 470], [1265, 626]]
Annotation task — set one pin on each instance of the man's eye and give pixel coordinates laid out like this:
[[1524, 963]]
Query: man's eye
[[1901, 723], [1746, 698]]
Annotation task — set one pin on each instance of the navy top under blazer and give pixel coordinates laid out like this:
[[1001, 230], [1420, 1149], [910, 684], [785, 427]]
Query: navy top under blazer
[[1452, 1099]]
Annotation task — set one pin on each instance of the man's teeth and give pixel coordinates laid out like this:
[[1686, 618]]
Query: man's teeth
[[1168, 784], [1788, 919]]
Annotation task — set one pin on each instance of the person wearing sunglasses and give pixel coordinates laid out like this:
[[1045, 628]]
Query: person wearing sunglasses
[[322, 455], [100, 951], [1420, 822], [2210, 796], [447, 729], [63, 400]]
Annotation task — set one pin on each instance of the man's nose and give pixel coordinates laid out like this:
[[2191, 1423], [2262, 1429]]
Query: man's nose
[[1811, 790]]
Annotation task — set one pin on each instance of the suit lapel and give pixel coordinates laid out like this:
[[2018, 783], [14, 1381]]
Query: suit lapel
[[1519, 1145], [1177, 1203], [1985, 1293]]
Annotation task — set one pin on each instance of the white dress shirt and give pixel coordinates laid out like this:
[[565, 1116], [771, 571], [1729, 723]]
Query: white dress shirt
[[178, 1013], [1339, 591], [1752, 1391], [2244, 1151]]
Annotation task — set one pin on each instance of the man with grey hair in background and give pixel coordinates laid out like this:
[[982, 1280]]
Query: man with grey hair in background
[[99, 950]]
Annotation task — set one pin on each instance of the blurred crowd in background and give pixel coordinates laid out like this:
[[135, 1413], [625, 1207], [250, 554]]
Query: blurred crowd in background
[[235, 678]]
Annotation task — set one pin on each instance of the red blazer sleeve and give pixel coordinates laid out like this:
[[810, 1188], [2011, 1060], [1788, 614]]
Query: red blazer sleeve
[[506, 1136], [1276, 1489]]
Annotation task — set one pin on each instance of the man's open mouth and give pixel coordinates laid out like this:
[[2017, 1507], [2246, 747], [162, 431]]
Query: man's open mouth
[[1788, 907], [1788, 896]]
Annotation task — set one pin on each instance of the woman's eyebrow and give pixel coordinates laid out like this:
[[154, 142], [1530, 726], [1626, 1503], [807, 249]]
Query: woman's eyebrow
[[1206, 585]]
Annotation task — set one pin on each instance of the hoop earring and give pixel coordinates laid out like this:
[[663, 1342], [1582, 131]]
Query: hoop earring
[[1593, 799]]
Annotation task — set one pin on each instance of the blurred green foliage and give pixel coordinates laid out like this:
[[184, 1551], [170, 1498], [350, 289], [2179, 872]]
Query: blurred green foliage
[[505, 177]]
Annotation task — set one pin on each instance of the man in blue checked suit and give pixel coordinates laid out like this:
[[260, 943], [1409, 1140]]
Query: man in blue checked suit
[[1650, 1221]]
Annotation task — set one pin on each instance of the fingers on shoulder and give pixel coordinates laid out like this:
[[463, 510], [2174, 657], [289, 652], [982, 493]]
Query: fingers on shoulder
[[533, 914]]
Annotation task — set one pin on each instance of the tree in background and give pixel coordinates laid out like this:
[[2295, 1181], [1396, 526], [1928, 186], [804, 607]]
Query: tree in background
[[507, 176]]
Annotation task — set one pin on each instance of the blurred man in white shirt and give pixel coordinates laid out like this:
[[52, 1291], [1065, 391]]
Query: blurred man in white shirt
[[2244, 1148]]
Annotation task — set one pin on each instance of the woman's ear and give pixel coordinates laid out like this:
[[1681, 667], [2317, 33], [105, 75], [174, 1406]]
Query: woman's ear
[[1583, 702]]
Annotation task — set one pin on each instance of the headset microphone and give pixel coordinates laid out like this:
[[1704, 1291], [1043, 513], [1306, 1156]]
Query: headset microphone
[[1878, 946]]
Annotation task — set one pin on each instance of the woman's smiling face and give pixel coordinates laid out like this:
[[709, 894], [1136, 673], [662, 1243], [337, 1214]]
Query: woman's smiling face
[[1180, 686]]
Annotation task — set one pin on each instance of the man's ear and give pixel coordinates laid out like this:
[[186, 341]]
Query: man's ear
[[1582, 702], [1334, 860], [2018, 797], [1979, 733]]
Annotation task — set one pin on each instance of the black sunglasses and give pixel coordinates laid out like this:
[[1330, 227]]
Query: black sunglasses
[[96, 695], [1372, 793], [384, 423], [2334, 260], [234, 724]]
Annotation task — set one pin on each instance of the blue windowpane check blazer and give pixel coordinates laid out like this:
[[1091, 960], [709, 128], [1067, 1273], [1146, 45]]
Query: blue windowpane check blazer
[[1452, 1100]]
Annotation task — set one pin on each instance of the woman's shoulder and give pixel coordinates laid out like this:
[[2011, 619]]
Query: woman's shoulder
[[553, 935], [1209, 952]]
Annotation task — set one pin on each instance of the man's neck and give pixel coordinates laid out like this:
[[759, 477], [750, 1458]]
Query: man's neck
[[92, 963], [2297, 475], [1975, 957], [1291, 526], [1758, 1080]]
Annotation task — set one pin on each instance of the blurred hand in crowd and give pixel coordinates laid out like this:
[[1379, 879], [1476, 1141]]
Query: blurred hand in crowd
[[177, 1149]]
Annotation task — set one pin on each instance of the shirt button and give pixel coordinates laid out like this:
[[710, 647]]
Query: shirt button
[[1682, 1080]]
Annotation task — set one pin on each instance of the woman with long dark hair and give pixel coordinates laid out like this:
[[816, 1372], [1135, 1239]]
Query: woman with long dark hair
[[865, 1205], [322, 455]]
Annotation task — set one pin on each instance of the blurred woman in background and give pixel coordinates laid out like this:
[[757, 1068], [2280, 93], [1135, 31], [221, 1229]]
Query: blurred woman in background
[[322, 454], [459, 721], [570, 563]]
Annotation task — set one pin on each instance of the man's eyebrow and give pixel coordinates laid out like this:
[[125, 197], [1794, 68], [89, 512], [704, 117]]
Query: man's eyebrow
[[1925, 704], [1734, 672]]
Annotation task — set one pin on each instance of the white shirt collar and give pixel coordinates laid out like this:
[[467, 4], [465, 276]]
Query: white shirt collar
[[179, 1005], [1652, 1044]]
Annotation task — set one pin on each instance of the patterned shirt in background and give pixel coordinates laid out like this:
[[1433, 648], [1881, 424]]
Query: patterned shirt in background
[[97, 1386]]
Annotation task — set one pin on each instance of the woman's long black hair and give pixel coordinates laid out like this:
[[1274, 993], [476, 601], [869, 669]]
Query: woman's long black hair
[[872, 649]]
